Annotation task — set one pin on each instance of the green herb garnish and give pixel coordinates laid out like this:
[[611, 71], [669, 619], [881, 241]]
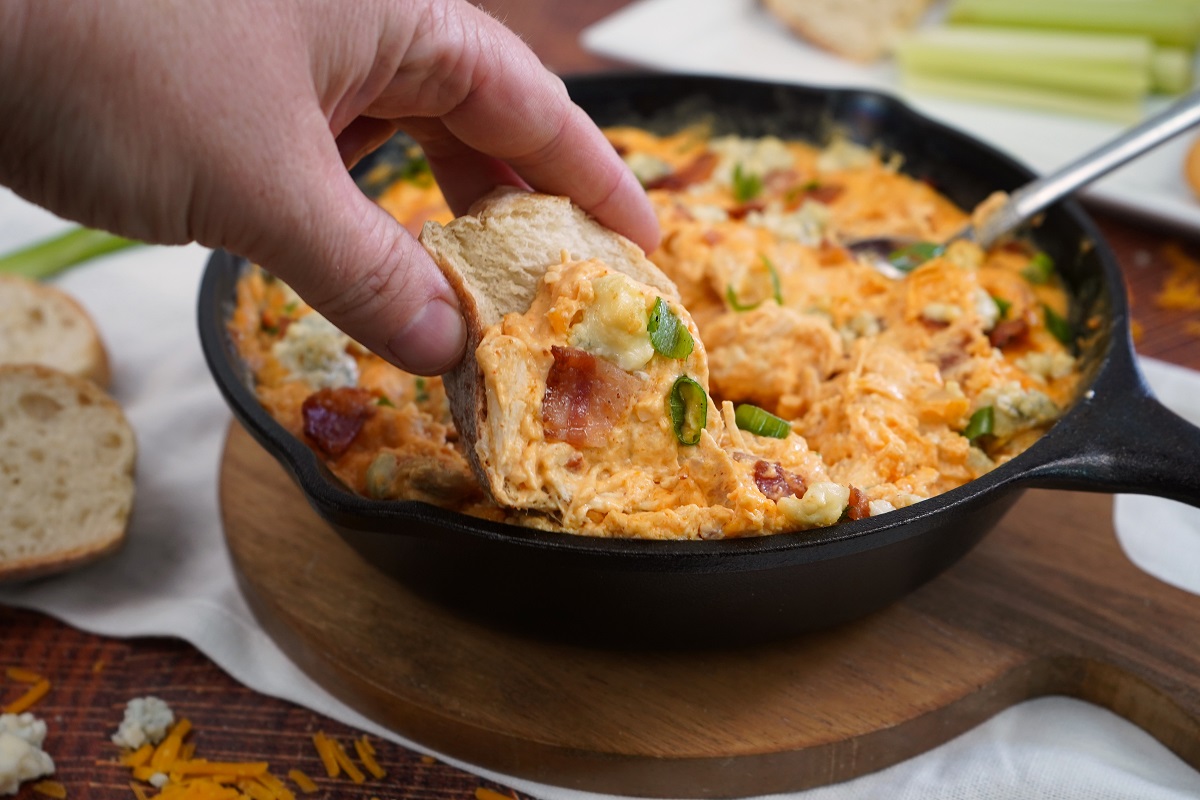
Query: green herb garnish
[[422, 393], [1002, 306], [1059, 327], [669, 336], [982, 423], [51, 256], [416, 170], [1040, 269], [760, 422], [908, 258], [776, 291], [383, 400], [688, 406], [746, 185]]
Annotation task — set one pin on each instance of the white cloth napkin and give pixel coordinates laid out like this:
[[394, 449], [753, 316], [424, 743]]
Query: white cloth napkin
[[174, 577]]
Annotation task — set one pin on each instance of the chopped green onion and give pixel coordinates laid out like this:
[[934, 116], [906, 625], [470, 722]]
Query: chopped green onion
[[908, 258], [422, 395], [669, 336], [776, 290], [746, 185], [760, 422], [383, 400], [51, 256], [688, 405], [1059, 327], [982, 423], [1002, 306], [416, 170], [290, 308], [1040, 269]]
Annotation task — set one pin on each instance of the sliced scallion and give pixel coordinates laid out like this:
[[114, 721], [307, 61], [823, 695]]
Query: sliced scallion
[[982, 423], [746, 185], [669, 336], [51, 256], [760, 422], [908, 258], [1058, 326], [776, 291], [1040, 269], [1002, 306], [688, 406]]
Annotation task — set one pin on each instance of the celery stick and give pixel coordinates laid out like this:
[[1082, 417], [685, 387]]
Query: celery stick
[[51, 256], [1031, 60], [1172, 23], [1171, 70], [1123, 110], [1097, 64]]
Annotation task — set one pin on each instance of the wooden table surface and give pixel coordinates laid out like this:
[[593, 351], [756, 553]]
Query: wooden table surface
[[93, 676]]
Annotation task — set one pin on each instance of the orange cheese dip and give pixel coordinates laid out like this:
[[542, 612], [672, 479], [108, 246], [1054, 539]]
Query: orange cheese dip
[[889, 389]]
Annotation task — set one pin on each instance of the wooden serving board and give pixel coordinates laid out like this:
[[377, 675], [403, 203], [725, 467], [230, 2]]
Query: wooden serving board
[[1047, 604]]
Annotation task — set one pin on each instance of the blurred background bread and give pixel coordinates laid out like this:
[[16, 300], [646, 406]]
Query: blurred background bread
[[67, 457], [41, 324], [861, 30]]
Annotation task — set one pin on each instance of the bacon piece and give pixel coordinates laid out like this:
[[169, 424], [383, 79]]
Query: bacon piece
[[776, 482], [585, 396], [1008, 330], [822, 193], [333, 417], [858, 507], [698, 170], [742, 209]]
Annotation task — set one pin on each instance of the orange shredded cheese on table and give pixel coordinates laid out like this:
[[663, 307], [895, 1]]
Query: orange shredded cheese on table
[[353, 772], [484, 793], [22, 675], [31, 696], [50, 789], [306, 784], [366, 754], [1181, 289], [324, 747], [138, 791]]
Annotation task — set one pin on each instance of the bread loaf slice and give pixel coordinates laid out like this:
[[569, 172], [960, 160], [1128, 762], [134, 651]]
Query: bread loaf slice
[[40, 324], [495, 258], [67, 457], [861, 30]]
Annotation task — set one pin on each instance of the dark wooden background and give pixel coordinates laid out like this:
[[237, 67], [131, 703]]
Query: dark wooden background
[[94, 676]]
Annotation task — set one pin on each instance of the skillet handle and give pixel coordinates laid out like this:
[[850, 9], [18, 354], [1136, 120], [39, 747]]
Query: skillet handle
[[1122, 439]]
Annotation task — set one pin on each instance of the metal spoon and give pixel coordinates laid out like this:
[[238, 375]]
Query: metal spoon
[[1023, 203]]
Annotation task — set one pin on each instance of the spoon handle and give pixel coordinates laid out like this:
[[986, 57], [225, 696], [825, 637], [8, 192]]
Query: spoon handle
[[1033, 197]]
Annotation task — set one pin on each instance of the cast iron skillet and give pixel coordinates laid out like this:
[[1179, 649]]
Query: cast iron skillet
[[1116, 437]]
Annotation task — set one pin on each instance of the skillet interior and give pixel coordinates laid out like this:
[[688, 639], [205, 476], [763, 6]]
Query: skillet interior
[[640, 592]]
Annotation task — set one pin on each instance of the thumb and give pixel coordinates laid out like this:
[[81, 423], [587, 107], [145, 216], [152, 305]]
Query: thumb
[[357, 266]]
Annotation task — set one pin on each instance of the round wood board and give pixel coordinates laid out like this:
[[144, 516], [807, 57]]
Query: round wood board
[[1047, 604]]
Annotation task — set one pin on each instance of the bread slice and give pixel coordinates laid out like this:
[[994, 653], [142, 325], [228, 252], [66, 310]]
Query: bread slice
[[495, 258], [861, 30], [40, 324], [67, 457]]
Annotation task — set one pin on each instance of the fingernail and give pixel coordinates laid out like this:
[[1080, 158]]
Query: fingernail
[[433, 341]]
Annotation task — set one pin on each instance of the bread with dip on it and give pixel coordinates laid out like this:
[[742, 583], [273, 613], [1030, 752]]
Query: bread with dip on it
[[67, 457], [40, 324], [861, 30], [583, 399]]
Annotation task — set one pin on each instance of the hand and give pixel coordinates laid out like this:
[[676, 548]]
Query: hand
[[232, 122]]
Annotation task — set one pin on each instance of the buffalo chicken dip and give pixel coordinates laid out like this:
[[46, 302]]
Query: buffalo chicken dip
[[791, 385]]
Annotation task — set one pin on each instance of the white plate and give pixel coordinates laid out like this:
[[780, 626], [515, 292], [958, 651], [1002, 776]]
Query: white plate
[[738, 38]]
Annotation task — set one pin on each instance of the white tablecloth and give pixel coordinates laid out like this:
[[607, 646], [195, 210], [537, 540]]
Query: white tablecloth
[[174, 577]]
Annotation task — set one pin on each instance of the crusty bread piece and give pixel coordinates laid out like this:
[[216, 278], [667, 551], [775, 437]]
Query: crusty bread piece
[[862, 30], [66, 471], [40, 324], [495, 257]]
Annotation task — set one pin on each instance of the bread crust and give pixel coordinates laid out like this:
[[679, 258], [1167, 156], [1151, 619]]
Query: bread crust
[[494, 258], [861, 30], [68, 455], [41, 324]]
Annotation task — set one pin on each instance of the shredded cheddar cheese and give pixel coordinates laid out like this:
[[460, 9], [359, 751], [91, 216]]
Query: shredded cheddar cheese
[[366, 754], [50, 789], [484, 793], [31, 696], [1181, 289], [306, 784]]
